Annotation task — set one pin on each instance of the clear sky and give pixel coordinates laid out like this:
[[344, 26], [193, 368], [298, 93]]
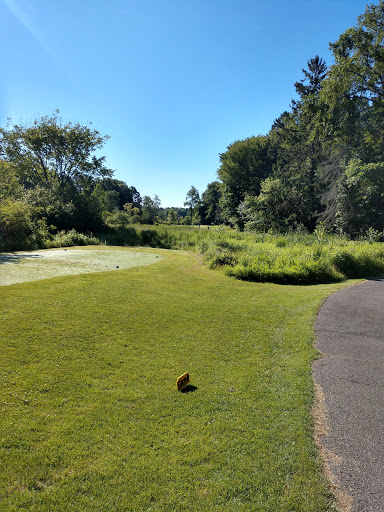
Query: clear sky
[[173, 82]]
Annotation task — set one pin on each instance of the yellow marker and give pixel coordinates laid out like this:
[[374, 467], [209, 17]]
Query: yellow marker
[[182, 381]]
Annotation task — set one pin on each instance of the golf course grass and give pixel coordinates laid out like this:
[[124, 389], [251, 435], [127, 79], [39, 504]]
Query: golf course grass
[[90, 415], [23, 266]]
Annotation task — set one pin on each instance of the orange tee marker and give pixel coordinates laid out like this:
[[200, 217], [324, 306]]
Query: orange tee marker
[[182, 381]]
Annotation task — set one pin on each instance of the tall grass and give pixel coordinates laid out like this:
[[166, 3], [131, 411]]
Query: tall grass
[[294, 258]]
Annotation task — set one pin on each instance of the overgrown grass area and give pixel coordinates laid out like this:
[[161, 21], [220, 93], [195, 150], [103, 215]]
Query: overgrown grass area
[[90, 416], [293, 258]]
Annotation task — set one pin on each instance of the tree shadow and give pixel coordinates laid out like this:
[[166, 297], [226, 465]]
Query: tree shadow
[[379, 277], [16, 258]]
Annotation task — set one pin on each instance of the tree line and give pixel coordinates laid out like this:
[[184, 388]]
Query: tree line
[[322, 162], [51, 181]]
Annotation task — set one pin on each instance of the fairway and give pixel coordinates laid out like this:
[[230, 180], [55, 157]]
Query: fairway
[[90, 415]]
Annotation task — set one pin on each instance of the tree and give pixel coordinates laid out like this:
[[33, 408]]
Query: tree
[[150, 209], [310, 85], [351, 122], [131, 210], [359, 55], [361, 198], [297, 151], [210, 204], [275, 208], [56, 168], [54, 155], [192, 200], [9, 183], [108, 199], [172, 217], [243, 167], [330, 172], [125, 194], [353, 93], [16, 225]]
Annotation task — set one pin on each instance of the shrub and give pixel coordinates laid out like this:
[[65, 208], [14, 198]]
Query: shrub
[[281, 242], [71, 238], [150, 237], [123, 235], [16, 225]]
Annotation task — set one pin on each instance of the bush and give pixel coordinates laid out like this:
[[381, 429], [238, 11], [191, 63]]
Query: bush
[[360, 260], [122, 235], [16, 225], [71, 238], [150, 237]]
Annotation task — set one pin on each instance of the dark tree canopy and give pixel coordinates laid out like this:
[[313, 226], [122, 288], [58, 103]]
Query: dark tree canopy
[[243, 167], [210, 204], [125, 194]]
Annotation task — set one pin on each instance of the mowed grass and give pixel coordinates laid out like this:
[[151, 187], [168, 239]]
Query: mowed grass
[[90, 416]]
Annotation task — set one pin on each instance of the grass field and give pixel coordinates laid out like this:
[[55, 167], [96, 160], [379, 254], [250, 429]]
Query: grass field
[[90, 416]]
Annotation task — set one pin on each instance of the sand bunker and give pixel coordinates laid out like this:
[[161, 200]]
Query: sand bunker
[[19, 267]]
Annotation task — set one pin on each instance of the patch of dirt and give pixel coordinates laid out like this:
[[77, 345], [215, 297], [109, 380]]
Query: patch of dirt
[[319, 411], [20, 267]]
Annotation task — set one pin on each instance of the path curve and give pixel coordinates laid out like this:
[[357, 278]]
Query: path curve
[[350, 333]]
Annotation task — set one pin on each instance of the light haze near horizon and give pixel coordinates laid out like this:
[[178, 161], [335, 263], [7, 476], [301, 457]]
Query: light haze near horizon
[[173, 83]]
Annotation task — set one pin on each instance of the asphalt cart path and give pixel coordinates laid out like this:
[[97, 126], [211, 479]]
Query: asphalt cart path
[[350, 333]]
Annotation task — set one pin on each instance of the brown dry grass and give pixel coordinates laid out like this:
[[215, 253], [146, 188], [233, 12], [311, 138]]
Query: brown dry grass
[[328, 458]]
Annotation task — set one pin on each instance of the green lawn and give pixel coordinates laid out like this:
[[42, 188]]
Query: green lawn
[[90, 416]]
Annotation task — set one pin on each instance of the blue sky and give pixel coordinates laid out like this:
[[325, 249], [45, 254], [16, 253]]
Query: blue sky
[[172, 82]]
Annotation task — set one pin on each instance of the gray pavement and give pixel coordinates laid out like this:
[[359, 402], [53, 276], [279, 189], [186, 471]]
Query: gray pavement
[[350, 333]]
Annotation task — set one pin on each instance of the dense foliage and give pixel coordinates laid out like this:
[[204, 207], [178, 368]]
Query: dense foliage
[[322, 161], [53, 187]]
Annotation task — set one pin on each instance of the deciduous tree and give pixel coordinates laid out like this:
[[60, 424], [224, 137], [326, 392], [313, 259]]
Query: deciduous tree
[[243, 166], [54, 154], [192, 200], [210, 204], [150, 209], [361, 198]]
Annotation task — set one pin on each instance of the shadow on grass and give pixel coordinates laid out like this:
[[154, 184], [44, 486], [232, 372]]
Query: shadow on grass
[[16, 258], [188, 389]]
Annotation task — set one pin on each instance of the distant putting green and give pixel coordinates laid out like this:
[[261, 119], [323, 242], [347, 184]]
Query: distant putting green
[[21, 267]]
